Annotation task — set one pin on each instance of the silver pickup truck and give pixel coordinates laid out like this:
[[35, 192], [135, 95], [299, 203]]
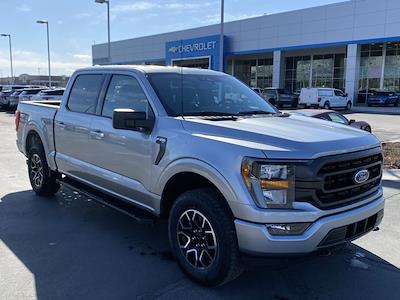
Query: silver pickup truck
[[231, 173]]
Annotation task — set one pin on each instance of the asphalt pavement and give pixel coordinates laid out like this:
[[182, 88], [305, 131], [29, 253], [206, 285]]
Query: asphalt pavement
[[69, 247]]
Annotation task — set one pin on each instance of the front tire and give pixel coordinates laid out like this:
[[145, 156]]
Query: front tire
[[203, 238], [327, 105], [348, 105], [43, 181]]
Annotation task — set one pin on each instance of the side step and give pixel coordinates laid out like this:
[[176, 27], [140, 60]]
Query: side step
[[120, 205]]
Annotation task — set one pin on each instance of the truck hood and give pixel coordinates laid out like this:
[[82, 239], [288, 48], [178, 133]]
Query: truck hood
[[291, 137]]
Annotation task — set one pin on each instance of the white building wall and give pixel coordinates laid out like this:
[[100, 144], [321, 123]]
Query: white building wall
[[336, 23], [352, 71]]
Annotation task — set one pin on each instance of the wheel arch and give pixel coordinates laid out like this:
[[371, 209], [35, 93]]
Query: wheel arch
[[190, 174]]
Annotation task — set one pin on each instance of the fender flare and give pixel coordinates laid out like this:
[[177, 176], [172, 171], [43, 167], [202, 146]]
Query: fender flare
[[198, 167]]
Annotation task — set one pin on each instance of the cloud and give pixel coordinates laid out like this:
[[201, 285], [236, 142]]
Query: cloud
[[83, 57], [29, 62], [153, 5], [23, 8]]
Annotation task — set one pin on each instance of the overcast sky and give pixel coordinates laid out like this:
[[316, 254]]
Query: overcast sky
[[76, 24]]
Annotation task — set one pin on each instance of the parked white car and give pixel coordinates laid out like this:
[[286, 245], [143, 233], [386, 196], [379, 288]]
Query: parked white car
[[324, 97]]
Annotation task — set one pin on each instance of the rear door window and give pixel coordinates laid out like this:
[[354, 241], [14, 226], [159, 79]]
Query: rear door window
[[85, 93]]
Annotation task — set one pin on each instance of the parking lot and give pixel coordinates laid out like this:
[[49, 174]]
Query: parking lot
[[70, 247]]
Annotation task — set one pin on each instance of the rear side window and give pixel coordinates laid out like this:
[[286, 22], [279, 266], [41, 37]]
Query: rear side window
[[84, 93], [124, 92], [324, 93]]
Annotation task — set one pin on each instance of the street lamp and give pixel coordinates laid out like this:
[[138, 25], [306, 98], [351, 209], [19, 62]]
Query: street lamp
[[221, 39], [48, 46], [108, 25], [9, 41]]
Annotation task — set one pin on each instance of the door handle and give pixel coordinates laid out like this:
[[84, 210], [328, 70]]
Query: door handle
[[97, 134]]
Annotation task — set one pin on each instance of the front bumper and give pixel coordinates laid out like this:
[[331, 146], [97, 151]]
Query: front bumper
[[254, 238]]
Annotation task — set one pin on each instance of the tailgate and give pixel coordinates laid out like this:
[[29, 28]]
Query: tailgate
[[36, 118]]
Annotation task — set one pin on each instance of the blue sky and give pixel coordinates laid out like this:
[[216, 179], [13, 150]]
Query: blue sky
[[76, 24]]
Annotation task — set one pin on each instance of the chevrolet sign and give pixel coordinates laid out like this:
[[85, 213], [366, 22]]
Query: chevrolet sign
[[202, 46]]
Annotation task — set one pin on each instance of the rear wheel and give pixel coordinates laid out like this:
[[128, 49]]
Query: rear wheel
[[396, 103], [368, 128], [43, 181], [203, 237]]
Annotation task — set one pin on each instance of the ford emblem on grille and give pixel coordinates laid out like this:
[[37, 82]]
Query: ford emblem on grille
[[361, 176]]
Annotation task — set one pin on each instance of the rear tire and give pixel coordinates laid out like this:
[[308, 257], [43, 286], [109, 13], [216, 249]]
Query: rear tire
[[203, 238], [43, 180], [368, 129], [396, 104]]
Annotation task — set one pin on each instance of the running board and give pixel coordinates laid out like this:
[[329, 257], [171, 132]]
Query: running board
[[122, 206]]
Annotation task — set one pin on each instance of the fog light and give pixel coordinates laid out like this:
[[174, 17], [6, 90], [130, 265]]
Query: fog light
[[287, 229]]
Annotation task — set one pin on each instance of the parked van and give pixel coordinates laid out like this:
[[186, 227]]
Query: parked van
[[324, 97]]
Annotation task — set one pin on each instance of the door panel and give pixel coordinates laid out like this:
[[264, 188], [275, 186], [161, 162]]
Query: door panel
[[73, 122], [127, 153]]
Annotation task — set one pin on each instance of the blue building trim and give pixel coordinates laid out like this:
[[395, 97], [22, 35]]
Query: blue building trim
[[201, 47]]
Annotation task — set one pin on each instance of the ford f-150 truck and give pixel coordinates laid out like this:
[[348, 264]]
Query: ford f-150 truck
[[231, 173]]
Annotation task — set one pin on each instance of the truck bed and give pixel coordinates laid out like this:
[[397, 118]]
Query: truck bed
[[38, 114]]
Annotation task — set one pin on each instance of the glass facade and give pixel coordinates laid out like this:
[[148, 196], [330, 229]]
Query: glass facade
[[326, 70], [253, 72], [297, 72], [391, 78], [371, 62]]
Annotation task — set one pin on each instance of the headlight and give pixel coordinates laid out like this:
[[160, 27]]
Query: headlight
[[271, 185]]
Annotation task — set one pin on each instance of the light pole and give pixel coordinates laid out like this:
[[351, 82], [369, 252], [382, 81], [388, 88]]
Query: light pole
[[48, 46], [221, 39], [108, 25], [9, 41]]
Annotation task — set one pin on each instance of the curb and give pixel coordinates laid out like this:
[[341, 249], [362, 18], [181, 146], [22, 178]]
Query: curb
[[391, 174], [374, 112]]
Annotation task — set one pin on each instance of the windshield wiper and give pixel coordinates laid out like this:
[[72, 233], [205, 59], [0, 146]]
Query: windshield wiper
[[254, 112], [208, 114]]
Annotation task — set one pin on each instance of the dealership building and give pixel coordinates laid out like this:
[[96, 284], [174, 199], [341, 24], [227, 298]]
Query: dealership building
[[352, 45]]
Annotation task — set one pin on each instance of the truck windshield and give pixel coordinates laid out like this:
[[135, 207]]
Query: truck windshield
[[206, 95]]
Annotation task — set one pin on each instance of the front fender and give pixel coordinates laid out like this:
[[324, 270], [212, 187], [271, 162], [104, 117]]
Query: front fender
[[198, 167]]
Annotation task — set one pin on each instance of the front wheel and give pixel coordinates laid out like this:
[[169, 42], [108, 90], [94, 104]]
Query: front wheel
[[348, 106], [43, 181], [203, 237], [327, 105]]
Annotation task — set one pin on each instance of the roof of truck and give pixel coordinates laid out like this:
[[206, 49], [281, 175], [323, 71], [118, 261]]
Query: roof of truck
[[151, 69]]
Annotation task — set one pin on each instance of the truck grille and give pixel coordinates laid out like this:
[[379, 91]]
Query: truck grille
[[329, 182], [339, 178]]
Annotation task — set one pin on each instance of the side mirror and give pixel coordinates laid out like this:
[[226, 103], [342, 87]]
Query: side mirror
[[351, 121], [130, 119]]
